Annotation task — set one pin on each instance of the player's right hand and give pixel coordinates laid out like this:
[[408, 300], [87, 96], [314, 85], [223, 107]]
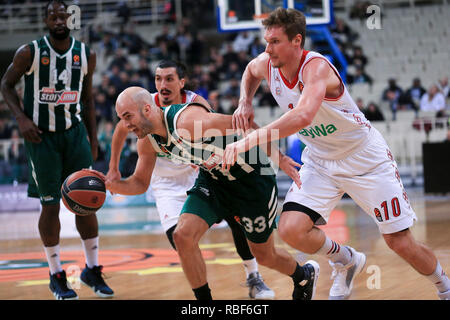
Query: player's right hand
[[243, 116], [112, 175], [29, 130]]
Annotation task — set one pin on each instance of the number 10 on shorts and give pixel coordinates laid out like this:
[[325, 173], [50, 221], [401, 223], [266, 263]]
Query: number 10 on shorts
[[394, 207]]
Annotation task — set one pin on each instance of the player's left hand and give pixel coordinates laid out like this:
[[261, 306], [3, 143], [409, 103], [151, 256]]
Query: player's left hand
[[231, 153], [289, 166]]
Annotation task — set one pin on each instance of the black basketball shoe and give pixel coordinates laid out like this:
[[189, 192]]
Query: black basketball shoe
[[61, 288], [305, 289], [93, 279]]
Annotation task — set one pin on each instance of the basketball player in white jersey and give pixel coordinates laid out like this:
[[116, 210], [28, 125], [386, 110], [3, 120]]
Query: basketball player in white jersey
[[344, 154], [170, 180]]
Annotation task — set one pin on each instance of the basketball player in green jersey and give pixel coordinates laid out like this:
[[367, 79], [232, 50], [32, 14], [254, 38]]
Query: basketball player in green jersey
[[170, 181], [57, 109], [192, 133]]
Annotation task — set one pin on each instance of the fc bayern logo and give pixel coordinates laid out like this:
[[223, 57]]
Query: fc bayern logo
[[278, 91]]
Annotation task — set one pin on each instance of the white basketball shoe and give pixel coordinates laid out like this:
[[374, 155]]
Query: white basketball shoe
[[444, 295], [257, 288], [344, 275]]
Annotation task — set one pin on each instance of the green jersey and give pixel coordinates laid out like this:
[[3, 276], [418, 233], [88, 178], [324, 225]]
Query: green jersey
[[207, 153], [53, 85]]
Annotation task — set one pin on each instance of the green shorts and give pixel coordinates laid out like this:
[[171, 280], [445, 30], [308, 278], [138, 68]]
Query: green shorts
[[52, 160], [252, 201]]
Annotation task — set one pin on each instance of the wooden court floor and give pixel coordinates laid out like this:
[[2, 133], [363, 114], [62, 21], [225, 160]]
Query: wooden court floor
[[140, 264]]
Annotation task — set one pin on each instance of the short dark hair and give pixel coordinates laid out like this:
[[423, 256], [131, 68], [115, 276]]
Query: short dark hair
[[179, 67], [293, 22], [50, 2]]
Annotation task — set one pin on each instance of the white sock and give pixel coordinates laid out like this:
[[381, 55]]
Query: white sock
[[250, 266], [440, 279], [90, 247], [335, 252], [301, 257], [53, 258]]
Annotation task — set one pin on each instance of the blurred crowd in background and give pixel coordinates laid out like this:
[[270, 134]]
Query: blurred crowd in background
[[214, 72]]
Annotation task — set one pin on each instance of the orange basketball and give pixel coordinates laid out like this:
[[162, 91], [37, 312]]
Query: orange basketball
[[83, 192]]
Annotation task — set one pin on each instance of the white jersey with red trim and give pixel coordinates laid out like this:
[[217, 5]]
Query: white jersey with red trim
[[338, 129], [164, 167], [186, 96]]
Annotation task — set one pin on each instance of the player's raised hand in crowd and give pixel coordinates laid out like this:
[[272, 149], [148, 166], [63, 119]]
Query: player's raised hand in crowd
[[28, 129], [243, 117]]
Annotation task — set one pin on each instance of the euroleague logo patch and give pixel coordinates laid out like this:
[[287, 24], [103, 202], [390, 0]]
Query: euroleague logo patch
[[94, 183], [300, 86], [76, 62], [45, 60], [50, 95]]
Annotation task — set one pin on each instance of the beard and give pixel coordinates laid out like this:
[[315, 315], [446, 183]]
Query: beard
[[62, 35], [166, 102], [145, 127]]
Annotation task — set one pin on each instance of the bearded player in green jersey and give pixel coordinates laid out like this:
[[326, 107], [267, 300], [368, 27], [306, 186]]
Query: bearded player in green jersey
[[57, 109], [192, 133]]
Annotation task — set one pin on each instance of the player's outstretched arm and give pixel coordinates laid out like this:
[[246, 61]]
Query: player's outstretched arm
[[195, 123], [315, 77], [199, 99], [255, 71], [21, 64], [139, 181], [117, 143], [282, 161]]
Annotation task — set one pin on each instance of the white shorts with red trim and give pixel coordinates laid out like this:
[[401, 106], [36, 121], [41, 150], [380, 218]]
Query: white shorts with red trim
[[170, 195], [369, 176]]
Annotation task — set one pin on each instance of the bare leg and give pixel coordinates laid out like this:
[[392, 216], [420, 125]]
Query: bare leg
[[189, 230], [305, 278], [87, 226], [275, 258], [297, 230], [419, 256], [49, 225]]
